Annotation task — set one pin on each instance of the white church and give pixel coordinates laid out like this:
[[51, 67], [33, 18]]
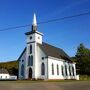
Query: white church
[[40, 60]]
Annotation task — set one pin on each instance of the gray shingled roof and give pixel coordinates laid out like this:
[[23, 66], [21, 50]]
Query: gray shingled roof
[[3, 71], [54, 51]]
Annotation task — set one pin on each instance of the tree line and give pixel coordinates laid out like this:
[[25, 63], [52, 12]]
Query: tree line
[[82, 59]]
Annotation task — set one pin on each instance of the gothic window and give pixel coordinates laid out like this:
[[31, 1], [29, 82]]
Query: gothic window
[[62, 70], [31, 60], [30, 49], [57, 69], [73, 70], [70, 70], [66, 70], [42, 69], [22, 70], [52, 69]]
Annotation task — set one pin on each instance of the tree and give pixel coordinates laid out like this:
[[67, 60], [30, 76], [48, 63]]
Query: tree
[[83, 60]]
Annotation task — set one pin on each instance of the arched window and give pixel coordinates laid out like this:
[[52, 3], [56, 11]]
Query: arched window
[[73, 70], [31, 61], [62, 70], [52, 69], [57, 69], [66, 70], [30, 49], [70, 70], [42, 69], [22, 70]]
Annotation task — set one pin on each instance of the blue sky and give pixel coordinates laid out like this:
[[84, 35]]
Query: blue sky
[[66, 34]]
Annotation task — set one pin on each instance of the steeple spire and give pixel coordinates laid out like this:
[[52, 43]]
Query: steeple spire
[[34, 23], [34, 20]]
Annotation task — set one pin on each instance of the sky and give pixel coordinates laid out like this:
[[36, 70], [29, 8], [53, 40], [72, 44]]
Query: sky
[[66, 34]]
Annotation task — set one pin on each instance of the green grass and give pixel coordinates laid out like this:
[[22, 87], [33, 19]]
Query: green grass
[[84, 77]]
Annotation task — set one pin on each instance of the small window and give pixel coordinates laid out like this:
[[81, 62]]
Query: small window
[[62, 70], [42, 69], [22, 70], [66, 70], [73, 70], [30, 49], [31, 60], [22, 60], [1, 76], [6, 77], [57, 69], [52, 69], [42, 58], [38, 37], [70, 70], [30, 37]]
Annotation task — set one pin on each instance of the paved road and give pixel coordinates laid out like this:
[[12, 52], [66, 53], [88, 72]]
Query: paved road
[[81, 85]]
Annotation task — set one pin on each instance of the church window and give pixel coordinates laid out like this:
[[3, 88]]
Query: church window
[[1, 76], [31, 60], [62, 70], [22, 60], [42, 69], [6, 77], [52, 69], [70, 70], [42, 58], [30, 49], [73, 70], [38, 37], [22, 70], [30, 37], [57, 69], [66, 70]]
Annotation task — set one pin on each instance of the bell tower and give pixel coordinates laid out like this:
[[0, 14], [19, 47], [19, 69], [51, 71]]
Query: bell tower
[[33, 39]]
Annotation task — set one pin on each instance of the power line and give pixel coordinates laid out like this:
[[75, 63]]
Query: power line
[[48, 21]]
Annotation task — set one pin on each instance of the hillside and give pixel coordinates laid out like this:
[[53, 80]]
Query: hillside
[[11, 66]]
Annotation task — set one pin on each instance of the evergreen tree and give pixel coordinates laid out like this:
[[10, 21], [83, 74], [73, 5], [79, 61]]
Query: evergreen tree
[[83, 60]]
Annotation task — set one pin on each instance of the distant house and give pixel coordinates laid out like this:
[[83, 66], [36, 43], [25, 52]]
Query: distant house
[[4, 75], [40, 60]]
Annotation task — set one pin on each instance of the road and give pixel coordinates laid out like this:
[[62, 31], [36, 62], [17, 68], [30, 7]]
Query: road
[[80, 85]]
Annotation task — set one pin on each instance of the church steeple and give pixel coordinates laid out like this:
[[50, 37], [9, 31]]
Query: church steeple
[[34, 23]]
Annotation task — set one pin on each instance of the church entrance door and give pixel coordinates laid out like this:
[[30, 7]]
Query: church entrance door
[[30, 73]]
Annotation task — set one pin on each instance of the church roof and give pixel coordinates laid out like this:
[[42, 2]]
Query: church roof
[[3, 71], [54, 51]]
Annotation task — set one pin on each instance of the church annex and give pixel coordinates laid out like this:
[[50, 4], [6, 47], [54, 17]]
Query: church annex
[[40, 60]]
